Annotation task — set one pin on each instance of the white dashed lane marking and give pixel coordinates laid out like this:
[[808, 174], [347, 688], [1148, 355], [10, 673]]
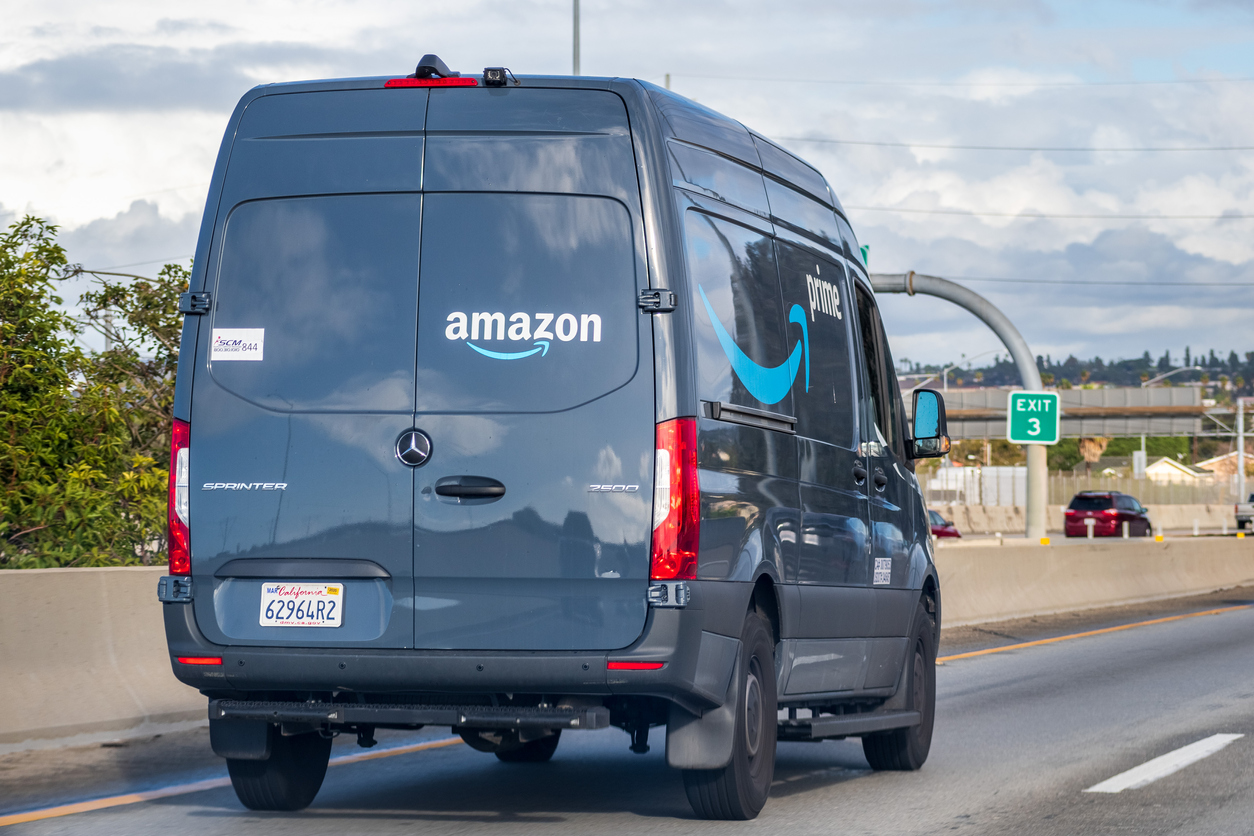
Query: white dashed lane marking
[[1164, 765]]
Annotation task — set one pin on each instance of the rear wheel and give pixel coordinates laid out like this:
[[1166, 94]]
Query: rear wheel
[[289, 779], [738, 791], [907, 749], [533, 751]]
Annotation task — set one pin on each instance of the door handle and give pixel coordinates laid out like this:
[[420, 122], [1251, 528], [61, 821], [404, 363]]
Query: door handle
[[879, 479], [470, 487], [859, 474]]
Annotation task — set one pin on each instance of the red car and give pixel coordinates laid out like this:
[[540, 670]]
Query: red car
[[1109, 510], [942, 527]]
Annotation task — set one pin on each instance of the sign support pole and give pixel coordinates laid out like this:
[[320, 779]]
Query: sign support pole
[[1241, 495], [1038, 474]]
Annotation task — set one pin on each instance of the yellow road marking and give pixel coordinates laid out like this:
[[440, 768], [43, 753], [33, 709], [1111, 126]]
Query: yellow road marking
[[1040, 642], [200, 786]]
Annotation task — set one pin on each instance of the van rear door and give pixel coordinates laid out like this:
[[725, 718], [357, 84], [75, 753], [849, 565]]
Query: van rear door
[[306, 369], [532, 514]]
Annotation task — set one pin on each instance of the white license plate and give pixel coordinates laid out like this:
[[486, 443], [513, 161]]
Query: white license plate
[[301, 604]]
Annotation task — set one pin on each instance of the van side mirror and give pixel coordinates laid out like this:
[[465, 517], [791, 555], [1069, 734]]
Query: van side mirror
[[930, 432]]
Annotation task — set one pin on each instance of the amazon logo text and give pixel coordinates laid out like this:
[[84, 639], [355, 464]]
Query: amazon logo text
[[539, 329], [490, 326]]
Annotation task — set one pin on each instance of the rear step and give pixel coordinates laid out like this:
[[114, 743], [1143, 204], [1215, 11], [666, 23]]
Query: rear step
[[464, 716], [816, 728]]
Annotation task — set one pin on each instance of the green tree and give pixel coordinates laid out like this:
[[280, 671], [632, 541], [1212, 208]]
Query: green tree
[[82, 447], [141, 320]]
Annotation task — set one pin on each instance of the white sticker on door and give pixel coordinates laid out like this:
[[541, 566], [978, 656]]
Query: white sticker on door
[[238, 344], [883, 571]]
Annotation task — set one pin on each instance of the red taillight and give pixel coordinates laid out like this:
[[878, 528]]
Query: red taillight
[[1111, 512], [431, 82], [1070, 512], [676, 502], [177, 537], [634, 666], [199, 660]]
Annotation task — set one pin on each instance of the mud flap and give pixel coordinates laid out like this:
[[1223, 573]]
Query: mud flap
[[704, 742], [899, 701], [242, 740]]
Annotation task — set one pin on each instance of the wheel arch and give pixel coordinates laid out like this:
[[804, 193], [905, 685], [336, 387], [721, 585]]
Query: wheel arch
[[765, 600]]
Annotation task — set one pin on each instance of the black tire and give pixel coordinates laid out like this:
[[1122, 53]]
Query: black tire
[[533, 751], [289, 779], [739, 790], [907, 749]]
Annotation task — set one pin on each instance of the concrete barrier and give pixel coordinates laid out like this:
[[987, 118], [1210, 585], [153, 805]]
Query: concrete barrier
[[83, 658], [1017, 581], [83, 655], [1008, 519]]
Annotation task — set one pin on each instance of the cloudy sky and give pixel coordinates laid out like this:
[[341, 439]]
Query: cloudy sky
[[1050, 146]]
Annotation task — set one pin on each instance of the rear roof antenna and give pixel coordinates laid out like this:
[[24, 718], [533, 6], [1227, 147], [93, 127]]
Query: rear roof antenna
[[431, 66]]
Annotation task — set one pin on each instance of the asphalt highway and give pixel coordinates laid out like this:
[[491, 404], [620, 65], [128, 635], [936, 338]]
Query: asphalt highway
[[1021, 734]]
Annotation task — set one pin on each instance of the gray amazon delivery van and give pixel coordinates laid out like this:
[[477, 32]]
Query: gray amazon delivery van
[[528, 406]]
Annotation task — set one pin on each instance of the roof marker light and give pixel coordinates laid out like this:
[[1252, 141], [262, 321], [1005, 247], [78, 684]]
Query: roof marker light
[[431, 82]]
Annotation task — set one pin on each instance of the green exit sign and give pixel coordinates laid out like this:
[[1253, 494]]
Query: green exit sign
[[1032, 418]]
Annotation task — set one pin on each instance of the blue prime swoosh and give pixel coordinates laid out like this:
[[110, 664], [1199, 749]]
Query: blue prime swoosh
[[770, 386], [541, 347]]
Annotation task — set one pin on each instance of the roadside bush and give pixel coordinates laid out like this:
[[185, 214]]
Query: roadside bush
[[84, 436]]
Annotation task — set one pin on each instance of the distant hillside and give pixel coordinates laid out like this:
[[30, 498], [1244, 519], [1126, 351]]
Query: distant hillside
[[1224, 376]]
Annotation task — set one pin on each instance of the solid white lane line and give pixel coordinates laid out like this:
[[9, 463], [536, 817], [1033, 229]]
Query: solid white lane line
[[1164, 765]]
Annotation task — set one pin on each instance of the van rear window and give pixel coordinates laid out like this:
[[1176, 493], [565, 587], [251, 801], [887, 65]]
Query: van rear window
[[1090, 503], [324, 291], [527, 302]]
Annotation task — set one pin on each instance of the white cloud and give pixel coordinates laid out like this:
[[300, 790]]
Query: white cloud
[[103, 104]]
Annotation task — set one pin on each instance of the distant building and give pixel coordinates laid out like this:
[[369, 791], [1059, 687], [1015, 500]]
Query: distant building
[[1171, 472], [1226, 465]]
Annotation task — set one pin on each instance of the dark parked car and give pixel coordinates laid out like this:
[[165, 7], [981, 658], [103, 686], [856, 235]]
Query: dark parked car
[[1109, 510], [942, 527], [528, 406]]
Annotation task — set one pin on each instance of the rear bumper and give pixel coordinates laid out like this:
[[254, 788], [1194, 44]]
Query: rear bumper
[[696, 645], [458, 716]]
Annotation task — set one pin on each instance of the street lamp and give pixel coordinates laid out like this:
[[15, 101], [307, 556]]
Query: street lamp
[[965, 359], [1147, 383]]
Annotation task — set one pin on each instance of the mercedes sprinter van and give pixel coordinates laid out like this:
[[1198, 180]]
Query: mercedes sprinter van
[[528, 406]]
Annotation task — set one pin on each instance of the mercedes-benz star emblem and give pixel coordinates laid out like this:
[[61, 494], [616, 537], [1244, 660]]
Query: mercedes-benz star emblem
[[413, 448]]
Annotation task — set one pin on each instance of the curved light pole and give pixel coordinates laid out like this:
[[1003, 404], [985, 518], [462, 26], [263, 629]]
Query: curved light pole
[[1154, 380], [912, 283]]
